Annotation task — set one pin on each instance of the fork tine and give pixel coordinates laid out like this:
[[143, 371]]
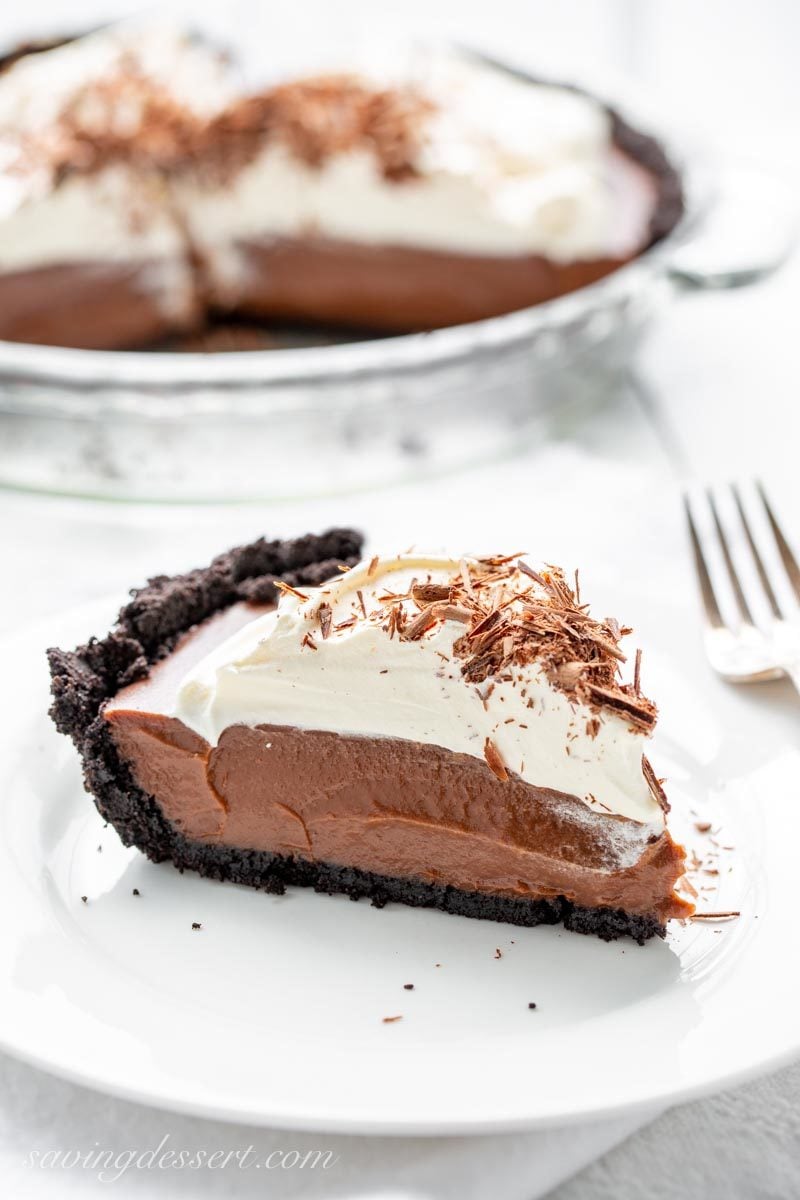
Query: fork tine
[[760, 568], [706, 587], [744, 609], [787, 557]]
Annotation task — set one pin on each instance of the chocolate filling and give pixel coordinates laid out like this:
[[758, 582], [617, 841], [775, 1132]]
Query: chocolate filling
[[379, 817], [394, 289]]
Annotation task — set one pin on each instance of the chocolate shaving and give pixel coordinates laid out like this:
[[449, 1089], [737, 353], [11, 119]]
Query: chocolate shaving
[[640, 713], [283, 586], [494, 760], [655, 784], [429, 593], [465, 577], [397, 621], [422, 622], [498, 560], [308, 640], [715, 916], [594, 636], [637, 673], [325, 620], [486, 623], [534, 575], [453, 612]]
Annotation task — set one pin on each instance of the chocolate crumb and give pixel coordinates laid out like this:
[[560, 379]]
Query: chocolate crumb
[[702, 826], [531, 1004], [391, 1020], [409, 987], [136, 892], [85, 899], [196, 925], [498, 952]]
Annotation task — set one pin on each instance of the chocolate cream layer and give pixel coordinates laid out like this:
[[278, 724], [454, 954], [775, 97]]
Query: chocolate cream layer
[[460, 813]]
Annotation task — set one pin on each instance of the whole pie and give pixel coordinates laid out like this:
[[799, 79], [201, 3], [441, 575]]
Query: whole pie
[[144, 192]]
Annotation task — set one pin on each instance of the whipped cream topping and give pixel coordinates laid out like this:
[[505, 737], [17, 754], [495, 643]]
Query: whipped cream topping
[[113, 215], [502, 167], [363, 655]]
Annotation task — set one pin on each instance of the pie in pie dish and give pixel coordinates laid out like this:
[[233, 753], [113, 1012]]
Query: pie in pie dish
[[144, 192]]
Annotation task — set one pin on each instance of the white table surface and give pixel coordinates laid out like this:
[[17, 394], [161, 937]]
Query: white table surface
[[720, 372]]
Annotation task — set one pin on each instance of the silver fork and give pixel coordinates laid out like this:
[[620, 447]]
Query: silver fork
[[748, 649]]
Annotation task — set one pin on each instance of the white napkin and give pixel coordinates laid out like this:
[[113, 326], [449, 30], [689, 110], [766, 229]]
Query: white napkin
[[735, 1146], [40, 1114]]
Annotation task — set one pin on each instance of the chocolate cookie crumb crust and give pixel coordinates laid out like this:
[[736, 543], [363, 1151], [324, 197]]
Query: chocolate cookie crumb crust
[[147, 630]]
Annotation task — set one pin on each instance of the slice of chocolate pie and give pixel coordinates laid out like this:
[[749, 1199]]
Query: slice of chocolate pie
[[449, 733]]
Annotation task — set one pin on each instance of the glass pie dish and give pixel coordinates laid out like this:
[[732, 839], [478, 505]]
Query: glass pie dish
[[320, 418]]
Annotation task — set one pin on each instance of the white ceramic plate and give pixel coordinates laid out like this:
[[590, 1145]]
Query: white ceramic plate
[[273, 1011]]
